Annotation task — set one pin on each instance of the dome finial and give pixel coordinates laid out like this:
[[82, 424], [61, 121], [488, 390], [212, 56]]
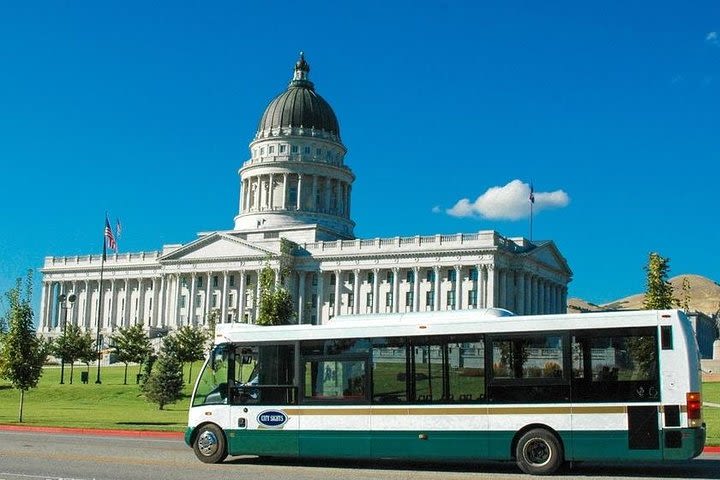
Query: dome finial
[[300, 75]]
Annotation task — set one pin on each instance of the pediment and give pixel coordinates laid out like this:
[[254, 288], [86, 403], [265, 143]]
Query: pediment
[[217, 246], [548, 255]]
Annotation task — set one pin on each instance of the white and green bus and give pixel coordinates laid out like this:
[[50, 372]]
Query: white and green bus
[[454, 386]]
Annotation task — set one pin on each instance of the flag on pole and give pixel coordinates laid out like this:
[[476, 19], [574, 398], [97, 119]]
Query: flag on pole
[[532, 194], [109, 237], [118, 228]]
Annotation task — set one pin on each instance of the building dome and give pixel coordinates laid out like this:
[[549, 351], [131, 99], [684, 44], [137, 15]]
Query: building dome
[[298, 107]]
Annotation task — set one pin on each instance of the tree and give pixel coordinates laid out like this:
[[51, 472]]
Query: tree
[[88, 353], [684, 301], [23, 353], [659, 291], [165, 383], [68, 346], [190, 345], [276, 306], [131, 345]]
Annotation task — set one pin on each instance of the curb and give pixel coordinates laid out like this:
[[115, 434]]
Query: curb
[[95, 432]]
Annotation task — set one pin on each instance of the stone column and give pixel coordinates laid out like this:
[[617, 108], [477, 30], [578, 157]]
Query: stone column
[[271, 192], [320, 299], [376, 291], [43, 308], [458, 287], [126, 308], [356, 291], [256, 194], [396, 290], [112, 319], [491, 287], [299, 191], [224, 298], [416, 289], [191, 300], [301, 296], [162, 298], [338, 279], [241, 296], [436, 287]]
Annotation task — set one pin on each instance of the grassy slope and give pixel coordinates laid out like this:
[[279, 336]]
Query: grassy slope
[[118, 406]]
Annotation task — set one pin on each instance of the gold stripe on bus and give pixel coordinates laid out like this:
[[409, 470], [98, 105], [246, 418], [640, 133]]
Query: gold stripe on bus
[[485, 410]]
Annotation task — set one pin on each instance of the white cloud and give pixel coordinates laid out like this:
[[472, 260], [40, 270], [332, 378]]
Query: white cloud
[[509, 202], [712, 38]]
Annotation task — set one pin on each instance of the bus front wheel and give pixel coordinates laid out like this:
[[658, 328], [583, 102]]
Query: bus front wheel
[[539, 452], [210, 445]]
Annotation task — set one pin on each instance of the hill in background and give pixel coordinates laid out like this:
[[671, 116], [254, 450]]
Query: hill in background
[[704, 296]]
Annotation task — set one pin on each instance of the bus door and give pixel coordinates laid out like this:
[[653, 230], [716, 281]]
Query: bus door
[[616, 394], [263, 401]]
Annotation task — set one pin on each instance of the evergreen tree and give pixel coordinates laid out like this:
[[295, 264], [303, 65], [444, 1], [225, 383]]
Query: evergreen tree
[[165, 383], [23, 353], [659, 291], [131, 345]]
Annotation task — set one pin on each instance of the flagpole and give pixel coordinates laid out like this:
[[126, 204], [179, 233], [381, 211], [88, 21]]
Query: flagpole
[[100, 307], [531, 219]]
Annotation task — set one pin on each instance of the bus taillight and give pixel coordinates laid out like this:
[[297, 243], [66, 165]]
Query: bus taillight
[[694, 409]]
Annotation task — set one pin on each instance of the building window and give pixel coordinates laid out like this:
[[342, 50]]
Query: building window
[[350, 277], [307, 150], [294, 149], [200, 282], [198, 299], [389, 277], [262, 150], [313, 300], [472, 298], [389, 299], [231, 300], [232, 280], [351, 300], [410, 276], [452, 275], [409, 300], [214, 302], [451, 299], [369, 299], [314, 279], [215, 281], [247, 279], [271, 149], [332, 279], [282, 148], [473, 274], [370, 277], [430, 298], [183, 282], [318, 151], [430, 275], [332, 300]]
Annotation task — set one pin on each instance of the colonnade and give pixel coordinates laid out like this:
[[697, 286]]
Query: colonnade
[[175, 299], [296, 191]]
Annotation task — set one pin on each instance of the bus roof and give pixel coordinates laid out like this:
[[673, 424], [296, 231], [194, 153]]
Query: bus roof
[[438, 323]]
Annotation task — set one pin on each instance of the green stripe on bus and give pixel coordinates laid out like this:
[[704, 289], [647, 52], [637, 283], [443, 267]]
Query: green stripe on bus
[[437, 445]]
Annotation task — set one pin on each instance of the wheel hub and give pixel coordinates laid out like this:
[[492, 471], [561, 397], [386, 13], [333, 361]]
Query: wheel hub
[[207, 443]]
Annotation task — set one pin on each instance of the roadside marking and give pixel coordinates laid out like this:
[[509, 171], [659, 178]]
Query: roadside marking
[[44, 477]]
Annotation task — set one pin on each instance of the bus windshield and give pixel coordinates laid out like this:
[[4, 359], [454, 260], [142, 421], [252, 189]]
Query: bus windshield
[[212, 384]]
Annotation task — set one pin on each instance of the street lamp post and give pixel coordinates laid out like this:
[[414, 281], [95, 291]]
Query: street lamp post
[[64, 301]]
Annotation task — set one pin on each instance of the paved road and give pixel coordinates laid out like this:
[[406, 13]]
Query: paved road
[[39, 456]]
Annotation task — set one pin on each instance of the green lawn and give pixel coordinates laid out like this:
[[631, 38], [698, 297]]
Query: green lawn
[[108, 405], [117, 406]]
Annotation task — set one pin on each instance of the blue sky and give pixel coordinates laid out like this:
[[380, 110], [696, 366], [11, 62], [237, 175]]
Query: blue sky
[[145, 110]]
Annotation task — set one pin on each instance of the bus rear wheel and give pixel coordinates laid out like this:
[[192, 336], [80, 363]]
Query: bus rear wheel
[[210, 445], [539, 452]]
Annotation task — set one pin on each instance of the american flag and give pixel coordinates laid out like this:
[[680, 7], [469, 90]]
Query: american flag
[[118, 228], [109, 237], [532, 194]]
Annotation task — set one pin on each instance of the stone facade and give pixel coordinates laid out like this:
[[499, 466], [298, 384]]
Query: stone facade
[[297, 187]]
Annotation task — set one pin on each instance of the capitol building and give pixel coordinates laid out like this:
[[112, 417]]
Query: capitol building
[[296, 186]]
